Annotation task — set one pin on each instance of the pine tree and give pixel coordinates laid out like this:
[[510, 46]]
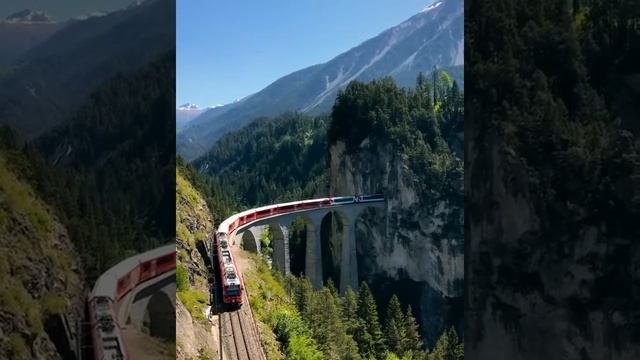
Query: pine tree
[[332, 287], [303, 294], [328, 328], [448, 347], [395, 327], [412, 341], [350, 311], [369, 335]]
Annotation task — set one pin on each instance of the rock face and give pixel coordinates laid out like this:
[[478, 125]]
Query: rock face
[[416, 244], [536, 289], [40, 277], [194, 336]]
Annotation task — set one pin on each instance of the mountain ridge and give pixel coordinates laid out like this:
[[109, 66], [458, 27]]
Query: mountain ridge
[[426, 40], [54, 77]]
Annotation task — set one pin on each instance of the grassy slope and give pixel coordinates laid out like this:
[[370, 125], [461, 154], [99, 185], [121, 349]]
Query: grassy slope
[[193, 223], [30, 243]]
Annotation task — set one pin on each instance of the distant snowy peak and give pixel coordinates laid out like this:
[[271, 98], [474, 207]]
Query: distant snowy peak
[[432, 6], [91, 15], [136, 3], [29, 16], [188, 106]]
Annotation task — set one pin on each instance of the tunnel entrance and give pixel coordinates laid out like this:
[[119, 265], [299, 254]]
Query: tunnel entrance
[[249, 242], [59, 331], [160, 317], [202, 249]]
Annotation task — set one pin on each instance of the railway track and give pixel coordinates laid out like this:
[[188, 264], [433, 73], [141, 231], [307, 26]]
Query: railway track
[[238, 337]]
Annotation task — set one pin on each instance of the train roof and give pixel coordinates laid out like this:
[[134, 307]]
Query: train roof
[[107, 283], [224, 226]]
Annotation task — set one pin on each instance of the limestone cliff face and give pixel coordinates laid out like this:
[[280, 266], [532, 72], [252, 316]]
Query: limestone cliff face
[[412, 239], [40, 276]]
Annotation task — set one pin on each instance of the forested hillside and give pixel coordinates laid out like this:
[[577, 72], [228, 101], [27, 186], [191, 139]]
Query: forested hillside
[[424, 125], [107, 171], [271, 160]]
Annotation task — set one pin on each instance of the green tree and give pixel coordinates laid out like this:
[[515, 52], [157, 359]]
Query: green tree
[[328, 328], [448, 347], [369, 335], [350, 312], [395, 327], [412, 340]]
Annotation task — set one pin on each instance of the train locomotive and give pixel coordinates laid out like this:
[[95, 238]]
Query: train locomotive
[[230, 279]]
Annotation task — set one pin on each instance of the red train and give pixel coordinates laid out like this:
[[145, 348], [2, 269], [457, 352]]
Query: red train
[[230, 279], [111, 287]]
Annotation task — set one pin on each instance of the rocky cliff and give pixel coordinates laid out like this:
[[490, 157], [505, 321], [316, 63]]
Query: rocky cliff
[[415, 247], [40, 277]]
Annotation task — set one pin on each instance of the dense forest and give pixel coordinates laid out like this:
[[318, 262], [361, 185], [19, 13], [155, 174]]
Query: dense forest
[[271, 160], [349, 326], [221, 203], [108, 172], [423, 124], [306, 323], [551, 196]]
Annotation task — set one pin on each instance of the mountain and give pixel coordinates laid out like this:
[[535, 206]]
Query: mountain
[[187, 112], [22, 31], [56, 76], [433, 37], [29, 16]]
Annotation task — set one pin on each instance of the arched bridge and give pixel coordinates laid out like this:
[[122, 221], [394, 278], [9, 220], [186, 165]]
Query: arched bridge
[[247, 227]]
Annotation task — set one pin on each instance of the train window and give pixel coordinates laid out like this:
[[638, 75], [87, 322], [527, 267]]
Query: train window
[[229, 273], [165, 259], [233, 290]]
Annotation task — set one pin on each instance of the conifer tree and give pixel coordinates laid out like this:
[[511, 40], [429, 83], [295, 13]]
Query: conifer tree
[[412, 341], [448, 347], [369, 335], [328, 328], [395, 326], [350, 311], [332, 287], [303, 295]]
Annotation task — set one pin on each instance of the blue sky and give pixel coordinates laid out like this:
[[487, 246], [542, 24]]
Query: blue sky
[[228, 49]]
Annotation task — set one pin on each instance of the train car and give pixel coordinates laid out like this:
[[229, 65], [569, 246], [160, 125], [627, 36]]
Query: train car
[[103, 303], [105, 332]]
